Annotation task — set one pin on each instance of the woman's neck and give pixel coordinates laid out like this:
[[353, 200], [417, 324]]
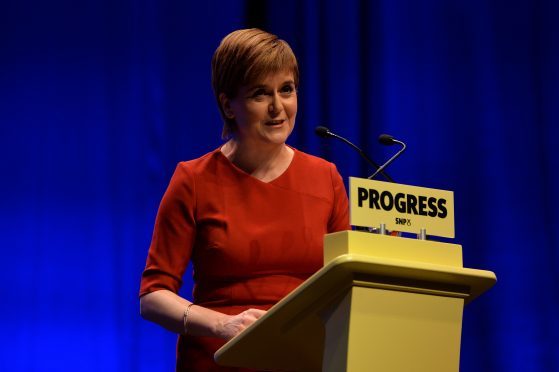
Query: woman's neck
[[265, 164]]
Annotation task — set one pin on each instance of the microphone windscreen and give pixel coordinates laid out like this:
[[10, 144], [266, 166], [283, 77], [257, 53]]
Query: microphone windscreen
[[322, 131], [386, 139]]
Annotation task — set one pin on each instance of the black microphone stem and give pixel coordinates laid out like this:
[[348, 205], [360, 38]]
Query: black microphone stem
[[380, 169], [325, 132], [367, 159]]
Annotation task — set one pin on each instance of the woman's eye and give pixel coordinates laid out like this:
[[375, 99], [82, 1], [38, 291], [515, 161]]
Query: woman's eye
[[258, 93], [288, 89]]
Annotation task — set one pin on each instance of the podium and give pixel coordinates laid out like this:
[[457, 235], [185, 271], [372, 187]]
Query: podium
[[380, 303]]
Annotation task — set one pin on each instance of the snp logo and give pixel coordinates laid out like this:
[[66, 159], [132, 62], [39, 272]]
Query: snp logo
[[403, 221]]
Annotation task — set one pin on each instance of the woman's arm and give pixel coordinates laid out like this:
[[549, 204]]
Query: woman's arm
[[167, 309]]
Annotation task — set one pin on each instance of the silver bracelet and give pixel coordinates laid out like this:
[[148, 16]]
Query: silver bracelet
[[185, 319]]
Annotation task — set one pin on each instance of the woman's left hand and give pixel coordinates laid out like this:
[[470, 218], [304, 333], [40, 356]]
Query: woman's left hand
[[229, 326]]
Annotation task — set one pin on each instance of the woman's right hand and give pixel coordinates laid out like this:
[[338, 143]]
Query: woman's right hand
[[231, 325]]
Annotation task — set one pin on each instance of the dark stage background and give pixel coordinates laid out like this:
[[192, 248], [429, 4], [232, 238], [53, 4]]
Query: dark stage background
[[100, 99]]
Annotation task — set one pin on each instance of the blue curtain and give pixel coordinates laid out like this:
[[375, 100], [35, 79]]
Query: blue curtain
[[99, 100]]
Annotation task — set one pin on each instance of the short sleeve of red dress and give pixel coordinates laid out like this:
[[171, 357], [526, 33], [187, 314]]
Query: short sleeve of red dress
[[173, 235]]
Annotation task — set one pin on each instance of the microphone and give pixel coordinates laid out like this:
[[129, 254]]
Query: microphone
[[388, 140], [325, 133]]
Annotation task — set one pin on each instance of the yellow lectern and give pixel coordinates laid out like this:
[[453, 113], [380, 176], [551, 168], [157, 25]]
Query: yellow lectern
[[380, 303]]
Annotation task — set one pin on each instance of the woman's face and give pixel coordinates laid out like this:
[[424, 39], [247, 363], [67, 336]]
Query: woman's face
[[265, 111]]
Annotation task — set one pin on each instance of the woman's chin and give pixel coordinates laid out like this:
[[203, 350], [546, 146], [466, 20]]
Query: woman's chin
[[277, 138]]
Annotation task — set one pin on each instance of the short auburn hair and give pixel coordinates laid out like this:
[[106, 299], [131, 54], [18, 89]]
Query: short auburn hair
[[245, 57]]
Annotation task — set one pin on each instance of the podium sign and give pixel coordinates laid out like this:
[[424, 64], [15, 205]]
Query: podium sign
[[401, 207]]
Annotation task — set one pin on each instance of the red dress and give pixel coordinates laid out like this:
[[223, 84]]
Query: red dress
[[251, 242]]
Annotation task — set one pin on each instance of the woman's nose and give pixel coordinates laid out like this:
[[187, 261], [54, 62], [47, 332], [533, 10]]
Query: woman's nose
[[276, 106]]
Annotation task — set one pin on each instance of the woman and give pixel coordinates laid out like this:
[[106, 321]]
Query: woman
[[251, 215]]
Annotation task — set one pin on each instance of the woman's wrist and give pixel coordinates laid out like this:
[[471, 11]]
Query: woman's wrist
[[185, 318], [218, 328], [201, 321]]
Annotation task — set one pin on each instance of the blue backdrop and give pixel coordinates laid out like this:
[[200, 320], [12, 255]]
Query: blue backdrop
[[100, 99]]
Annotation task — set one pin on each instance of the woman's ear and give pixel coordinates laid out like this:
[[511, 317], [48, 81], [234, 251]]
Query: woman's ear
[[226, 106]]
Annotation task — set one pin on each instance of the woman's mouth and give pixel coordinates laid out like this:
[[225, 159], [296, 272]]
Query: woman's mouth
[[274, 122]]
